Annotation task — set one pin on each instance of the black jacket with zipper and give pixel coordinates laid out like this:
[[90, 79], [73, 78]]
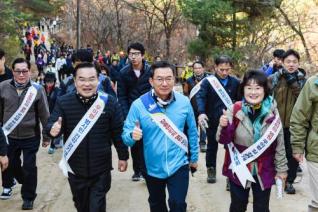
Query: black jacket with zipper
[[130, 87], [93, 156]]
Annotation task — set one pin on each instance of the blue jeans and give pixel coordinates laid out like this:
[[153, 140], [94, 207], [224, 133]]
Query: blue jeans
[[202, 137], [177, 185], [56, 141]]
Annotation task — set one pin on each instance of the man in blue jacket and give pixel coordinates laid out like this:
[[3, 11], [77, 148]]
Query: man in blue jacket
[[275, 64], [159, 117], [132, 83], [210, 108]]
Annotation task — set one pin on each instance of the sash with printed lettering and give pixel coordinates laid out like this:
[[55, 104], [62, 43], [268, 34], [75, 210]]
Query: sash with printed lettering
[[81, 130], [164, 123], [240, 160], [17, 117], [195, 89]]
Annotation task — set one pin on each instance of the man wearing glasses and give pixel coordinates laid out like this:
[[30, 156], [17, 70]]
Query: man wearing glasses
[[159, 118], [134, 82], [23, 106]]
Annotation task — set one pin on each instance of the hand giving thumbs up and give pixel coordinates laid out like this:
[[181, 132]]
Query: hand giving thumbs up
[[56, 128], [224, 121], [137, 132]]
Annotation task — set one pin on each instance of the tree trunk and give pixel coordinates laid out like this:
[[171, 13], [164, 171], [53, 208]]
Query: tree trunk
[[168, 39], [78, 29], [298, 32], [119, 30], [234, 28]]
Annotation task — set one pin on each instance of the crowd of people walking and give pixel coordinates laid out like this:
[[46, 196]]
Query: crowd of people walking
[[86, 101]]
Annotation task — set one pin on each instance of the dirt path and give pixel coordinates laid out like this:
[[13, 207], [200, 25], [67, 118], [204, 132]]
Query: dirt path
[[127, 196]]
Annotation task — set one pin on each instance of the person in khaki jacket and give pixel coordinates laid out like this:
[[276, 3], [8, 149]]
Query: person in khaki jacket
[[286, 85], [244, 124], [304, 134], [25, 102]]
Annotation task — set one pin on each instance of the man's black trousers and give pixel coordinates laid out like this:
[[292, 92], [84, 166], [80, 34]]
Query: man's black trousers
[[137, 157], [89, 194], [212, 147], [26, 174], [292, 162]]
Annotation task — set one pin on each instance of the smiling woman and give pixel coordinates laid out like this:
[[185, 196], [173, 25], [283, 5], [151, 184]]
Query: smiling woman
[[254, 87], [251, 119]]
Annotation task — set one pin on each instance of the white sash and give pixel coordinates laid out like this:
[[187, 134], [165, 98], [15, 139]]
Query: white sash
[[79, 132], [240, 160], [254, 151], [221, 92], [17, 117], [171, 130], [163, 122], [195, 89]]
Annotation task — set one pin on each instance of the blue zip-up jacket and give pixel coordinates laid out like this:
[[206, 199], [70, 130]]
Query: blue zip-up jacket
[[162, 156], [268, 70]]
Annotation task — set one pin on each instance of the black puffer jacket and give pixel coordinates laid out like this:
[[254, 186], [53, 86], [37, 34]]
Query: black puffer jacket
[[93, 156], [130, 87]]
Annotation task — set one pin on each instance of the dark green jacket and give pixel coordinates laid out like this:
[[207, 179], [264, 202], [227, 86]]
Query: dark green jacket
[[304, 121]]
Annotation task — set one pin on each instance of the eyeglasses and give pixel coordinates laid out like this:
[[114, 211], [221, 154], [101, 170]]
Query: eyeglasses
[[134, 54], [23, 71], [168, 80]]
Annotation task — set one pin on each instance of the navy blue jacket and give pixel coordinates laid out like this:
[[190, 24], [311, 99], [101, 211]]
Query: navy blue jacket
[[52, 97], [191, 82], [114, 73], [130, 87], [209, 102]]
